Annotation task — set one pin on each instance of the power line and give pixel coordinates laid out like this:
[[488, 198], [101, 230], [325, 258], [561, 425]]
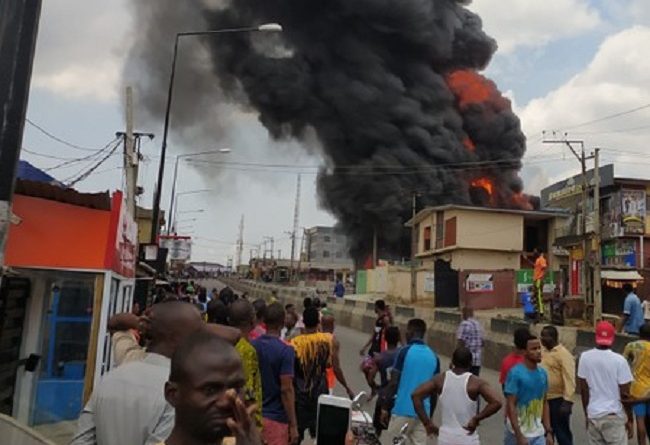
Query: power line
[[43, 155], [85, 158], [514, 163], [604, 118], [58, 139], [93, 168]]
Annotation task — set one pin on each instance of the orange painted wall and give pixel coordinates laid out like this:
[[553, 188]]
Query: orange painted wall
[[57, 235]]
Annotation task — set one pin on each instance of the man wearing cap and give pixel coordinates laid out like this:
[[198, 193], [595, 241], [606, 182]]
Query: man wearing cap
[[604, 379]]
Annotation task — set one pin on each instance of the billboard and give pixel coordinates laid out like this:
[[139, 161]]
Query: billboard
[[179, 247], [633, 211], [571, 189]]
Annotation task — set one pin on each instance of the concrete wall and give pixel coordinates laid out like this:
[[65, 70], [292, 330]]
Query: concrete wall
[[502, 296], [485, 230], [462, 259]]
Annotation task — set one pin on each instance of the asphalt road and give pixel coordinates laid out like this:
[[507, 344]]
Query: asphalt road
[[490, 431]]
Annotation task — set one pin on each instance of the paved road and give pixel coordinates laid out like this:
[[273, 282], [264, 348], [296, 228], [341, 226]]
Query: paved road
[[491, 430]]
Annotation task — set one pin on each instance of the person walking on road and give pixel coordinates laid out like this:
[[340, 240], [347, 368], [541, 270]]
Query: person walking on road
[[458, 391], [206, 375], [637, 354], [376, 342], [528, 421], [604, 379], [632, 312], [470, 335], [415, 364], [382, 364], [313, 356], [334, 372], [276, 359], [560, 365]]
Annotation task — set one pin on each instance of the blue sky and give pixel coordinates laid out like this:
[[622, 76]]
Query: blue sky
[[562, 62]]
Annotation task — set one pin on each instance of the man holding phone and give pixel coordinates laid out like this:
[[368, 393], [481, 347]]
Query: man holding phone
[[415, 364]]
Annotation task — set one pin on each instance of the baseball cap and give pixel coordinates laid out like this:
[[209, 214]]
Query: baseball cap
[[605, 333]]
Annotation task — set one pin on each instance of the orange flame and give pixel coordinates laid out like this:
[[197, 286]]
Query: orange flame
[[470, 87], [522, 201], [484, 183], [469, 144]]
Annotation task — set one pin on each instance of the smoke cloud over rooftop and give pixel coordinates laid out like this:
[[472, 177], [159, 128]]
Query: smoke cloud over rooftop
[[390, 88]]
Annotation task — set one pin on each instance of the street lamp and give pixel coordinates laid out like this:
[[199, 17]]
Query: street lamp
[[172, 203], [176, 197], [266, 27]]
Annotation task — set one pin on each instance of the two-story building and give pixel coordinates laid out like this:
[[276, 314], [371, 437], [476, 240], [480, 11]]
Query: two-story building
[[482, 256], [624, 228]]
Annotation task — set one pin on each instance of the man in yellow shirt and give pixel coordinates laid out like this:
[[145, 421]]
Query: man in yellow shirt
[[637, 354], [560, 366]]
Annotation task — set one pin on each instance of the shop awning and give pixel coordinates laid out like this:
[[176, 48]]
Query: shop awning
[[621, 275]]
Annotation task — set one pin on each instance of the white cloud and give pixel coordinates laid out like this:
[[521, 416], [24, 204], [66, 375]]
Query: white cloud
[[615, 81], [81, 48], [516, 23]]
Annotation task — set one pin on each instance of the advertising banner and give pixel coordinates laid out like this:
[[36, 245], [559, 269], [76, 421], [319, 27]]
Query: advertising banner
[[633, 211], [479, 282], [524, 278], [180, 247]]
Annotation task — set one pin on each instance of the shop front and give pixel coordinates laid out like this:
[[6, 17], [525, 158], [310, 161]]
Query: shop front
[[79, 263]]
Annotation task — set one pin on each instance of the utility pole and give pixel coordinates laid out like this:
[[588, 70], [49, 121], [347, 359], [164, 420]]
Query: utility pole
[[296, 222], [240, 243], [597, 286], [414, 248], [130, 159], [586, 242], [18, 31], [302, 248], [374, 248]]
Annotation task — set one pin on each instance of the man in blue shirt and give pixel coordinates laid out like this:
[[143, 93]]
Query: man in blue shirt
[[415, 364], [632, 311], [526, 300], [276, 361], [339, 289]]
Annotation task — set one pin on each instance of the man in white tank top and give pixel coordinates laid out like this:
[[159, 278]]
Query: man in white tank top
[[457, 391]]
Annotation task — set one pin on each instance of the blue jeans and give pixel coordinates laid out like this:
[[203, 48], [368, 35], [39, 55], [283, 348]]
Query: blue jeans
[[510, 439]]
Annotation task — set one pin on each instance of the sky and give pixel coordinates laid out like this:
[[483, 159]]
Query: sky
[[574, 67]]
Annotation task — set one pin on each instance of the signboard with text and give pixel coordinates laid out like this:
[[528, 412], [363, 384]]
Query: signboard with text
[[180, 247], [524, 279]]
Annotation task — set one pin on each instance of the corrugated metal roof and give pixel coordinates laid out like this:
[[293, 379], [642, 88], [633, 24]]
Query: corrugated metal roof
[[37, 189]]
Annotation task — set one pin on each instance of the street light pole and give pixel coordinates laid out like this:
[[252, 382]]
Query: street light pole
[[268, 27], [172, 202]]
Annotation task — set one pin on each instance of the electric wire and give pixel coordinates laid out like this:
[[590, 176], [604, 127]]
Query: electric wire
[[58, 139], [88, 172], [605, 118]]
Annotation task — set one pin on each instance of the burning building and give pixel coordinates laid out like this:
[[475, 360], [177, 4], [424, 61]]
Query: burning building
[[392, 90]]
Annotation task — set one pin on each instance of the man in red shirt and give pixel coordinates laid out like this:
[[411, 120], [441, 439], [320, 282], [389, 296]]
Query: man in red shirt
[[521, 337]]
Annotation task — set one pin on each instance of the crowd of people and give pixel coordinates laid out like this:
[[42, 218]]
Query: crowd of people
[[236, 371]]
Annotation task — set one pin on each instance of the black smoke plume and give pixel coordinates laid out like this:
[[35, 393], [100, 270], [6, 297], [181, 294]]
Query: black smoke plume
[[389, 87]]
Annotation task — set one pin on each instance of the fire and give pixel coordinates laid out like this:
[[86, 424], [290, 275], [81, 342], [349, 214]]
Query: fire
[[522, 201], [470, 88], [484, 183], [469, 144]]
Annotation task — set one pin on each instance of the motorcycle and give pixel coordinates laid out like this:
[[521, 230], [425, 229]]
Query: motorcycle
[[362, 428]]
